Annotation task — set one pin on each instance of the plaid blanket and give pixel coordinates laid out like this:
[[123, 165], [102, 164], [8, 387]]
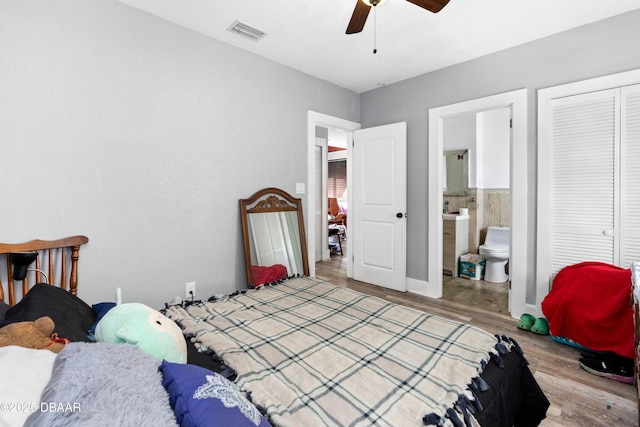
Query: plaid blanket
[[310, 353]]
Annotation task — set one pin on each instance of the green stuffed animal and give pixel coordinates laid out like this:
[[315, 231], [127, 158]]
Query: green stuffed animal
[[144, 327]]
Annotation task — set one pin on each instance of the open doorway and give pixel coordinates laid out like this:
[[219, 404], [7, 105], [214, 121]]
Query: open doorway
[[333, 264], [318, 126], [337, 194], [476, 208], [377, 206], [331, 193], [518, 255]]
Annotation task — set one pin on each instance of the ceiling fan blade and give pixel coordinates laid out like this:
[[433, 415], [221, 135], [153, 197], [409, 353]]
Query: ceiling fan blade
[[434, 6], [358, 18]]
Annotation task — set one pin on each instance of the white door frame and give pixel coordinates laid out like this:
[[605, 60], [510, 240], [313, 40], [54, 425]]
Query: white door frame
[[517, 101], [318, 119], [322, 144]]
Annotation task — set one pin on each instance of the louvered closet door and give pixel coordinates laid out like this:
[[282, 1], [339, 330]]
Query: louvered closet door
[[584, 169], [630, 174]]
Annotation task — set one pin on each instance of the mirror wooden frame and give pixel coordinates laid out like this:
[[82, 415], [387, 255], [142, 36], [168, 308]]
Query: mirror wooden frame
[[271, 200]]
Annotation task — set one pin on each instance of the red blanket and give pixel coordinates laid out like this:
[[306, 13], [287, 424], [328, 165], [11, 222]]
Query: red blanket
[[589, 303], [269, 274]]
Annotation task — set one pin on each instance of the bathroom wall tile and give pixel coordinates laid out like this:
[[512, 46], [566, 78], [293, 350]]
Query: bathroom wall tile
[[497, 209], [486, 207]]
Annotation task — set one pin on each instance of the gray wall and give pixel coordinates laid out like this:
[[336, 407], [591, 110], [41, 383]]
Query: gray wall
[[143, 136], [602, 48]]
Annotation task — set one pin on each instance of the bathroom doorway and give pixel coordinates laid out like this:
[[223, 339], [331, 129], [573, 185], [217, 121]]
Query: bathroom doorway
[[476, 188], [516, 101]]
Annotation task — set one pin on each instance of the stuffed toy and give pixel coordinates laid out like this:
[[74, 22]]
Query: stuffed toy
[[37, 334], [144, 327]]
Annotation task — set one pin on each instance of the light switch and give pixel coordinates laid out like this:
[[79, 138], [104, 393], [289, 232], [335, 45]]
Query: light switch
[[299, 187]]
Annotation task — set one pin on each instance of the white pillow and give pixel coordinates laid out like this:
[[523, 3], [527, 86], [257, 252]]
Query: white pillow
[[24, 372]]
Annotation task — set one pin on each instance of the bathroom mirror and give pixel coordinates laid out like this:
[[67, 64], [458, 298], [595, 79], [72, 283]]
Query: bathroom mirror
[[273, 232], [456, 173]]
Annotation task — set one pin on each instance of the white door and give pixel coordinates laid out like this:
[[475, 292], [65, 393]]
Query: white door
[[584, 173], [592, 156], [630, 165], [379, 197]]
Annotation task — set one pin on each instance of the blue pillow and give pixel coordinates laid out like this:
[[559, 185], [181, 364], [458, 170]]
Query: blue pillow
[[203, 398], [99, 310]]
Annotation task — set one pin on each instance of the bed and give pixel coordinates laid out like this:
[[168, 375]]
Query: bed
[[315, 354], [298, 351]]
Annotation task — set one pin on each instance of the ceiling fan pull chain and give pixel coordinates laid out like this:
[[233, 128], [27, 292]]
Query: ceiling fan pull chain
[[375, 26]]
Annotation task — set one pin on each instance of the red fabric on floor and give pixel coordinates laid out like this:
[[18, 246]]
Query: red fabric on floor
[[589, 303], [272, 273]]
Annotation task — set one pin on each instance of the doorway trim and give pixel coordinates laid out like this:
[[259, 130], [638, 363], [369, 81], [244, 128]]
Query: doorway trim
[[318, 119], [517, 101]]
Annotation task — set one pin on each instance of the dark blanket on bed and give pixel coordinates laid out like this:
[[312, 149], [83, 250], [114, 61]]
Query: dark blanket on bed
[[513, 398], [589, 303]]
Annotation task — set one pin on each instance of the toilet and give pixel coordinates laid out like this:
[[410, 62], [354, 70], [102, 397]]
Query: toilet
[[496, 253]]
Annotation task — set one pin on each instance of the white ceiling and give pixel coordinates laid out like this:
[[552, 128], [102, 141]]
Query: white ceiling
[[310, 35]]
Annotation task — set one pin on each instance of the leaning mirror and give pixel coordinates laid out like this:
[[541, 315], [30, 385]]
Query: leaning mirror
[[273, 235], [456, 173]]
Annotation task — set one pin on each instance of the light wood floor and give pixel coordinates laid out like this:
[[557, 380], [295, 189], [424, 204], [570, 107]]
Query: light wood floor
[[577, 397]]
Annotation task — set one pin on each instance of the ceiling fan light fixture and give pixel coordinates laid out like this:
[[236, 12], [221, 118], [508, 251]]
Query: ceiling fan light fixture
[[372, 3]]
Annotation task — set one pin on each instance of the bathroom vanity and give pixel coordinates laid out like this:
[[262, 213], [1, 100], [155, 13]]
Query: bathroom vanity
[[455, 241]]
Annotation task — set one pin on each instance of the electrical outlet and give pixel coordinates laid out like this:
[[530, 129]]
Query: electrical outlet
[[190, 289]]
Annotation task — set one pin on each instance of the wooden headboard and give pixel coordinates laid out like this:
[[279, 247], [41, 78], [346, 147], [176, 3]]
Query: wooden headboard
[[57, 259]]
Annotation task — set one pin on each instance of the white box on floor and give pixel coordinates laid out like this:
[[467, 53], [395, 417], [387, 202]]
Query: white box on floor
[[472, 266]]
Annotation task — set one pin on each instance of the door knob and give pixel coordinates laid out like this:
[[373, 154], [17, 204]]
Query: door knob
[[399, 215]]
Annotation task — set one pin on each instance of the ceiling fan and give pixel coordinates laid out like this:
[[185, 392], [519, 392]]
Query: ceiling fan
[[360, 13]]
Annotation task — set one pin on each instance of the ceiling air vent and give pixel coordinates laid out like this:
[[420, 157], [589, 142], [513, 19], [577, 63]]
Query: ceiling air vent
[[246, 30]]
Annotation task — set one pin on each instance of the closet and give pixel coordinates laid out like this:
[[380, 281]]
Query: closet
[[589, 174]]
